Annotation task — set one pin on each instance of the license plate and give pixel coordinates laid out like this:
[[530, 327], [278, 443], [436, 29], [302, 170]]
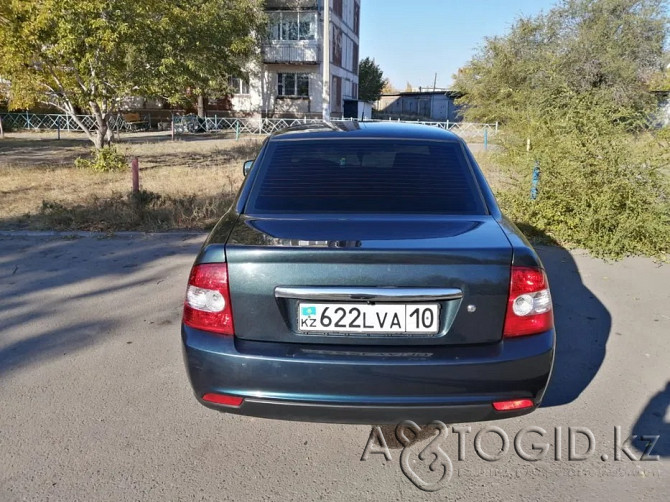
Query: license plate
[[383, 318]]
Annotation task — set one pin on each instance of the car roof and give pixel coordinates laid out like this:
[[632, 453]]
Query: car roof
[[343, 129]]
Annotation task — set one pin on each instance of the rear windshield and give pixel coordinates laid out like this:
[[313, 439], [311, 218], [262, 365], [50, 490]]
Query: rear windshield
[[365, 176]]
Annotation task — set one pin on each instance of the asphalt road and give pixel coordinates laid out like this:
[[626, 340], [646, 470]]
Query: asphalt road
[[95, 403]]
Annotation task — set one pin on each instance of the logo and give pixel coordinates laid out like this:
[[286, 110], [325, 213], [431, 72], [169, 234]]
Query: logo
[[430, 469], [433, 455]]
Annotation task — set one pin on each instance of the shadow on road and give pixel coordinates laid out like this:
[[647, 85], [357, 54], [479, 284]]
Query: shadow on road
[[653, 424], [49, 344], [582, 328], [60, 295]]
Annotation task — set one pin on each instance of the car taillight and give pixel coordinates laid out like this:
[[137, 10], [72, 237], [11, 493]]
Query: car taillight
[[515, 404], [224, 399], [529, 309], [207, 304]]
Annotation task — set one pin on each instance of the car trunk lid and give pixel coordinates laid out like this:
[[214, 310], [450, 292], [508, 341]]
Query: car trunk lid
[[462, 261]]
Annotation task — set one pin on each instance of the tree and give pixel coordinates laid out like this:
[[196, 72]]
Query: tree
[[575, 82], [4, 91], [370, 80], [612, 48], [662, 81], [388, 87], [89, 54]]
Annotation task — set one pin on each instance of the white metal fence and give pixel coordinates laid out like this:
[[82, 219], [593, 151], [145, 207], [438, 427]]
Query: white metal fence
[[38, 121], [270, 125], [192, 123]]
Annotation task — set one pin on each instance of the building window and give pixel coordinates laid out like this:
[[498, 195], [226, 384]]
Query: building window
[[239, 86], [354, 68], [336, 94], [289, 26], [337, 46], [293, 84], [348, 13], [337, 8], [357, 18]]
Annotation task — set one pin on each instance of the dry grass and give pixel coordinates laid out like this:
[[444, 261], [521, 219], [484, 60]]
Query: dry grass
[[185, 184], [195, 179], [494, 174]]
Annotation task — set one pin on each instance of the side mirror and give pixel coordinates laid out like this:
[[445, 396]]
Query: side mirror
[[247, 166]]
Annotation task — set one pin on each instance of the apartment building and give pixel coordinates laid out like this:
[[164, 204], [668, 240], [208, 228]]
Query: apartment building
[[309, 62]]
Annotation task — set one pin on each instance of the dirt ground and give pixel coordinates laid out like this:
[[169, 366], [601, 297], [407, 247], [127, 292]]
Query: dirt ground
[[37, 168]]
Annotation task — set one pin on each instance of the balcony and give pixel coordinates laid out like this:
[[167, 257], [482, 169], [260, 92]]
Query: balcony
[[302, 52], [293, 4]]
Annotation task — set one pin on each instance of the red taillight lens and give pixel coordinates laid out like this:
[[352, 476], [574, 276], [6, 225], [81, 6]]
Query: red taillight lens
[[516, 404], [529, 309], [224, 399], [207, 304]]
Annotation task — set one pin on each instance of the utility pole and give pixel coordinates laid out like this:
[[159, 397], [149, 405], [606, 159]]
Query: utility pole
[[326, 60], [432, 97]]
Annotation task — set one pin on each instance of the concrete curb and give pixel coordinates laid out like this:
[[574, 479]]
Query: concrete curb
[[100, 235]]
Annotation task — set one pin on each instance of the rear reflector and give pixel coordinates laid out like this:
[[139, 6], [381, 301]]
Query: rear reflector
[[224, 399], [529, 309], [517, 404], [207, 304]]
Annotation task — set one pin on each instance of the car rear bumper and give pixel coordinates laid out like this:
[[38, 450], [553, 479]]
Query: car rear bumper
[[365, 384]]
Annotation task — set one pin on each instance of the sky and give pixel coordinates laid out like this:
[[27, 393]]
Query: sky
[[411, 40]]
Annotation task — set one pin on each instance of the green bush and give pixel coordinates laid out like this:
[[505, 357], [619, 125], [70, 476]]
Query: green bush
[[602, 188], [104, 160]]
